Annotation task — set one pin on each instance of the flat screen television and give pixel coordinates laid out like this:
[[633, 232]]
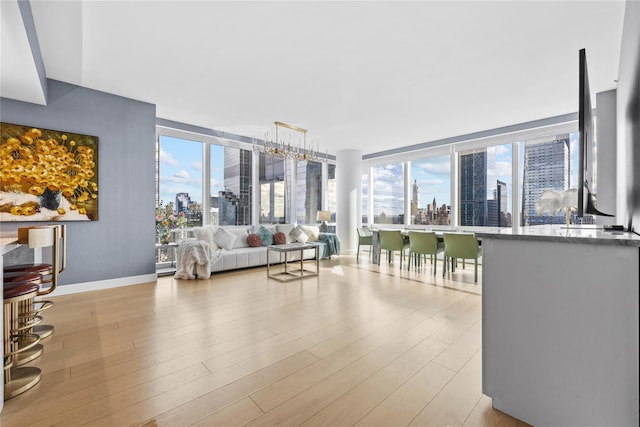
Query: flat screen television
[[586, 199]]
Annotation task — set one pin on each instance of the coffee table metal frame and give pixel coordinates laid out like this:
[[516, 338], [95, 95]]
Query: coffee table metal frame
[[289, 274]]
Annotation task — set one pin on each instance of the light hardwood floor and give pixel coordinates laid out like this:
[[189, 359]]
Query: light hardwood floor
[[359, 345]]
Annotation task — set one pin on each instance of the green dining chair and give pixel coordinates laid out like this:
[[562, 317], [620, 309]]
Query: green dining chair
[[365, 238], [392, 240], [421, 244], [458, 245]]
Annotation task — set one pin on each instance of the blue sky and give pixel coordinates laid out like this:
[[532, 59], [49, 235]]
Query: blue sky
[[433, 176], [181, 168]]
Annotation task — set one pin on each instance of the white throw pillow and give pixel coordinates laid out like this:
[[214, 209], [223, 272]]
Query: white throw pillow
[[286, 229], [299, 235], [224, 239], [205, 234], [313, 231], [241, 237]]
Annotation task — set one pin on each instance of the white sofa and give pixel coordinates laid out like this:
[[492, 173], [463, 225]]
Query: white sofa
[[239, 254]]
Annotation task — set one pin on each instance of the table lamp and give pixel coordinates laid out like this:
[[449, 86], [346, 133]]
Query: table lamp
[[324, 216]]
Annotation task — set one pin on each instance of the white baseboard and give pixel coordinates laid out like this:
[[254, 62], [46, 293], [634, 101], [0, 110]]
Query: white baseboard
[[104, 284]]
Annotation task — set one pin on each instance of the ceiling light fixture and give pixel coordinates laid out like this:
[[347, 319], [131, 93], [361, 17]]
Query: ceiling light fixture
[[298, 151]]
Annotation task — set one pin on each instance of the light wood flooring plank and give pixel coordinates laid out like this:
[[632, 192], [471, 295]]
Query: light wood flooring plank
[[405, 402], [357, 402], [305, 404], [453, 404], [236, 414], [360, 344], [191, 402]]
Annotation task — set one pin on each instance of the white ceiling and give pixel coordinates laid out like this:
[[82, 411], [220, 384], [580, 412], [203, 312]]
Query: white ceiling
[[365, 75]]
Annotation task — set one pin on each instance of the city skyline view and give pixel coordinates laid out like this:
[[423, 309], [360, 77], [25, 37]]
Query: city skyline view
[[181, 172], [181, 169]]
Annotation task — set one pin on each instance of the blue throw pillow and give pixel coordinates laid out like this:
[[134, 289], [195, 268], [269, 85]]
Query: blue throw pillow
[[266, 235]]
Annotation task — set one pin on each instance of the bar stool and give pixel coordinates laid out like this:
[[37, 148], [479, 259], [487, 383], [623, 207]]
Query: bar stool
[[29, 351], [19, 379], [42, 237]]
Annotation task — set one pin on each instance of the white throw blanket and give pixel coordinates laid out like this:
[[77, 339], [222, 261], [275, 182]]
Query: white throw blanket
[[194, 259]]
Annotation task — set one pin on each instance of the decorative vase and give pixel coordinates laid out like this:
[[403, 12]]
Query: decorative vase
[[50, 199]]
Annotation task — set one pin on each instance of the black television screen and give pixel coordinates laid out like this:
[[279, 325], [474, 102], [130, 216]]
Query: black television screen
[[586, 199]]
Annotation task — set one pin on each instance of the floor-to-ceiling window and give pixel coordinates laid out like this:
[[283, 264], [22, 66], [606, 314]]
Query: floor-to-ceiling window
[[485, 186], [203, 179], [272, 190], [230, 186], [545, 168], [309, 191], [365, 198], [431, 191], [388, 196], [549, 180], [331, 191], [180, 177], [179, 192]]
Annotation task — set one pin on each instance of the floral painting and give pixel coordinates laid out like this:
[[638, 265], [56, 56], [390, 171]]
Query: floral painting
[[47, 175]]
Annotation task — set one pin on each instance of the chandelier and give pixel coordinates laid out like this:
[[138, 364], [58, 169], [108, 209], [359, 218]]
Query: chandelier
[[295, 151]]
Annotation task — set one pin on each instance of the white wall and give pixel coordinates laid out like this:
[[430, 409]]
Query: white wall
[[628, 119], [606, 156]]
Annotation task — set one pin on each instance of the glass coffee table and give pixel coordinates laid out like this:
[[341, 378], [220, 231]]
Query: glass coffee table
[[289, 273]]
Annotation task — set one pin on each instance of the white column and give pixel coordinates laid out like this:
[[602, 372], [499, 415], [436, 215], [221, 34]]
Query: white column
[[348, 198]]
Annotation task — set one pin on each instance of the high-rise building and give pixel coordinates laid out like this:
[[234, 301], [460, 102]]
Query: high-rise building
[[503, 208], [308, 191], [271, 171], [192, 210], [546, 167], [497, 207], [475, 186], [234, 203], [182, 203]]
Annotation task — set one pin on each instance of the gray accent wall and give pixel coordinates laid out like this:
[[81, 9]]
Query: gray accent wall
[[121, 243], [628, 119]]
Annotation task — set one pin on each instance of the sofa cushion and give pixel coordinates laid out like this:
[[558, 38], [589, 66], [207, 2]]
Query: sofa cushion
[[205, 234], [313, 231], [279, 238], [266, 235], [286, 229], [241, 237], [224, 238], [299, 235], [254, 240]]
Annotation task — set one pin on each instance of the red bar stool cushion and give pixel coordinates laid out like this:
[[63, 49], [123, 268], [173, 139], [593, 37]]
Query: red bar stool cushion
[[15, 277], [32, 268], [18, 291]]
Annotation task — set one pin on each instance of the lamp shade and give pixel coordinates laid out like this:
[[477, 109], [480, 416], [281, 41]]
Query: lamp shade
[[324, 216]]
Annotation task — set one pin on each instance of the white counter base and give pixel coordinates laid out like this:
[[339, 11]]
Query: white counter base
[[560, 331]]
